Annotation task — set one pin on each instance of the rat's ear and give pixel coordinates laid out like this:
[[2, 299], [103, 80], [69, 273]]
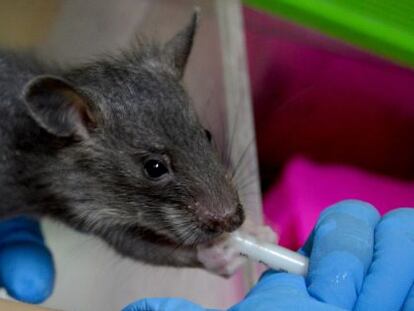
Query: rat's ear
[[58, 107], [177, 50]]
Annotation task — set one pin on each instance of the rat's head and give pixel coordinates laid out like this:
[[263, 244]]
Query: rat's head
[[135, 157]]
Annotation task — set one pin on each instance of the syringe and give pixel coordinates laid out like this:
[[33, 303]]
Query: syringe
[[273, 256]]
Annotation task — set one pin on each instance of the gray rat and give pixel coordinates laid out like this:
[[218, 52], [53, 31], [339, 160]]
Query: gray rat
[[114, 148]]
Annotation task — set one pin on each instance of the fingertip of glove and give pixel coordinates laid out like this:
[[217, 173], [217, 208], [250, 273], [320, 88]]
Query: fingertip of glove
[[29, 290], [355, 208], [401, 216], [27, 272]]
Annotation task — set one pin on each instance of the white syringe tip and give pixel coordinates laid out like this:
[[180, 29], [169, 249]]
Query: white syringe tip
[[274, 256]]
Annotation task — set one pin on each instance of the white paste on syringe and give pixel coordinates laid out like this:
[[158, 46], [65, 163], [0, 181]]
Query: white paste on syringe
[[273, 256]]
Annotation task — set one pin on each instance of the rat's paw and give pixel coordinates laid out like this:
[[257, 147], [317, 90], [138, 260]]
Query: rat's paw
[[221, 258], [262, 233]]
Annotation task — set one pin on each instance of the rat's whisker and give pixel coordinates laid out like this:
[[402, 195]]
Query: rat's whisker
[[232, 133], [243, 184], [245, 171], [242, 158]]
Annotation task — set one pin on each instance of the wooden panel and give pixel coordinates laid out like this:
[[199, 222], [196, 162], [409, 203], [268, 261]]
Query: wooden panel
[[24, 23]]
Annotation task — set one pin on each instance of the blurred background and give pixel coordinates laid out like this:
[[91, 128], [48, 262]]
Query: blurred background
[[333, 98]]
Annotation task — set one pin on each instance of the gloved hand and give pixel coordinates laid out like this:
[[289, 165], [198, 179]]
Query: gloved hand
[[358, 261], [26, 265]]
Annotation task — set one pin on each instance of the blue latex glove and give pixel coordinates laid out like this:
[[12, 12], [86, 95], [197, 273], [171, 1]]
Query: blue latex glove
[[358, 261], [26, 265]]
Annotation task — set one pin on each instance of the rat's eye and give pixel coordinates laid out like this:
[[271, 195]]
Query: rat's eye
[[208, 135], [155, 169]]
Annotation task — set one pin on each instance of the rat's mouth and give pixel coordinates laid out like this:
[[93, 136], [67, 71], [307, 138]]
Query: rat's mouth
[[196, 237], [204, 228], [200, 234]]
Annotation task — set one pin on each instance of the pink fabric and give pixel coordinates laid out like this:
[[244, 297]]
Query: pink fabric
[[321, 98], [318, 98], [293, 205]]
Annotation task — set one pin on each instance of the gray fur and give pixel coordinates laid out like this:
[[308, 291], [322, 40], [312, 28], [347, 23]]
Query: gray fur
[[93, 178]]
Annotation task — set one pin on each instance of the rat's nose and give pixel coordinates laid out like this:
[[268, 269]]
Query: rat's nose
[[224, 222]]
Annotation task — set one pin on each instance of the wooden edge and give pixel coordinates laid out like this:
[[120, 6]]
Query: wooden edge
[[7, 305], [239, 110]]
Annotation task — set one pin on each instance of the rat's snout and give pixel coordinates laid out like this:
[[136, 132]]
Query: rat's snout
[[222, 221]]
